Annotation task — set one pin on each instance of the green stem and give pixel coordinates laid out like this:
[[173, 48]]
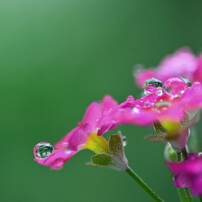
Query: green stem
[[184, 193], [143, 184], [183, 155], [200, 198], [181, 195]]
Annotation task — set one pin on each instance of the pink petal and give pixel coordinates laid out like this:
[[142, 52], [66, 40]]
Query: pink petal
[[56, 159]]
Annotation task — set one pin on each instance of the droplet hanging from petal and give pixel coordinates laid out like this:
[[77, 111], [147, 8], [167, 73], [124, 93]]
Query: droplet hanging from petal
[[42, 150]]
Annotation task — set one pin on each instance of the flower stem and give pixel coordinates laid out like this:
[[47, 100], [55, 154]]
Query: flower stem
[[143, 185], [183, 155], [184, 193]]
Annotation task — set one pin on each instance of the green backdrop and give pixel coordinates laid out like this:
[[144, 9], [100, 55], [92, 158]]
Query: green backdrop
[[57, 56]]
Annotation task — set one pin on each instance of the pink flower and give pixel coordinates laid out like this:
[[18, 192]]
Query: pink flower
[[84, 136], [168, 102], [173, 104], [198, 73], [188, 173], [182, 63]]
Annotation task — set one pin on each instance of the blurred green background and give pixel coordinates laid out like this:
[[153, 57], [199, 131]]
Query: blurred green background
[[57, 56]]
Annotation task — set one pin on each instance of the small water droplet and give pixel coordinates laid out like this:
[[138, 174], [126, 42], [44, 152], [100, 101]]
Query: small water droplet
[[147, 104], [135, 110], [153, 85], [199, 154], [43, 150], [175, 87], [187, 81], [124, 139], [162, 104]]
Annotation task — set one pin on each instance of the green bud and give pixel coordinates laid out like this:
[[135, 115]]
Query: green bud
[[169, 153]]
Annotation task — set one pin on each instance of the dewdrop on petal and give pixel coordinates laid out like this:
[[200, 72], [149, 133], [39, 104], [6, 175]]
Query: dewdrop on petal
[[42, 150]]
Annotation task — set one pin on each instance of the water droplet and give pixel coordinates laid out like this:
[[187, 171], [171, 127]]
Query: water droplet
[[124, 139], [153, 82], [135, 110], [199, 154], [175, 87], [187, 81], [43, 150], [162, 104], [153, 85]]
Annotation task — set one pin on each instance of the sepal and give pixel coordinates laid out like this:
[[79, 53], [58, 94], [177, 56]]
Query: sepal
[[116, 158]]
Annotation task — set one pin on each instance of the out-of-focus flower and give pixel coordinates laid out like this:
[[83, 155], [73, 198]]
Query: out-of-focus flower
[[188, 173], [198, 73], [84, 136], [182, 63]]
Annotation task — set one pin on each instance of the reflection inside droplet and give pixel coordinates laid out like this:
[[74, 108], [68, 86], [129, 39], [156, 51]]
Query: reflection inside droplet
[[153, 82], [43, 150], [187, 81]]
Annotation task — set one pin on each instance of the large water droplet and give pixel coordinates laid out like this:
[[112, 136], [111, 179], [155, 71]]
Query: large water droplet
[[153, 82], [153, 85], [43, 150], [175, 87]]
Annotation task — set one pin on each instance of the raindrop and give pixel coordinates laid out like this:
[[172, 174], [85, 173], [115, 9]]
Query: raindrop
[[124, 139], [175, 86], [135, 110], [162, 104], [153, 82], [43, 150], [199, 154], [153, 85]]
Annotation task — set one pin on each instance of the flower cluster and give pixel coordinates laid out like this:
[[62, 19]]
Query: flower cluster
[[172, 98]]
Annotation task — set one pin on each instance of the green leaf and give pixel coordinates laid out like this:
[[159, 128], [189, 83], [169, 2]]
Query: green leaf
[[102, 159]]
